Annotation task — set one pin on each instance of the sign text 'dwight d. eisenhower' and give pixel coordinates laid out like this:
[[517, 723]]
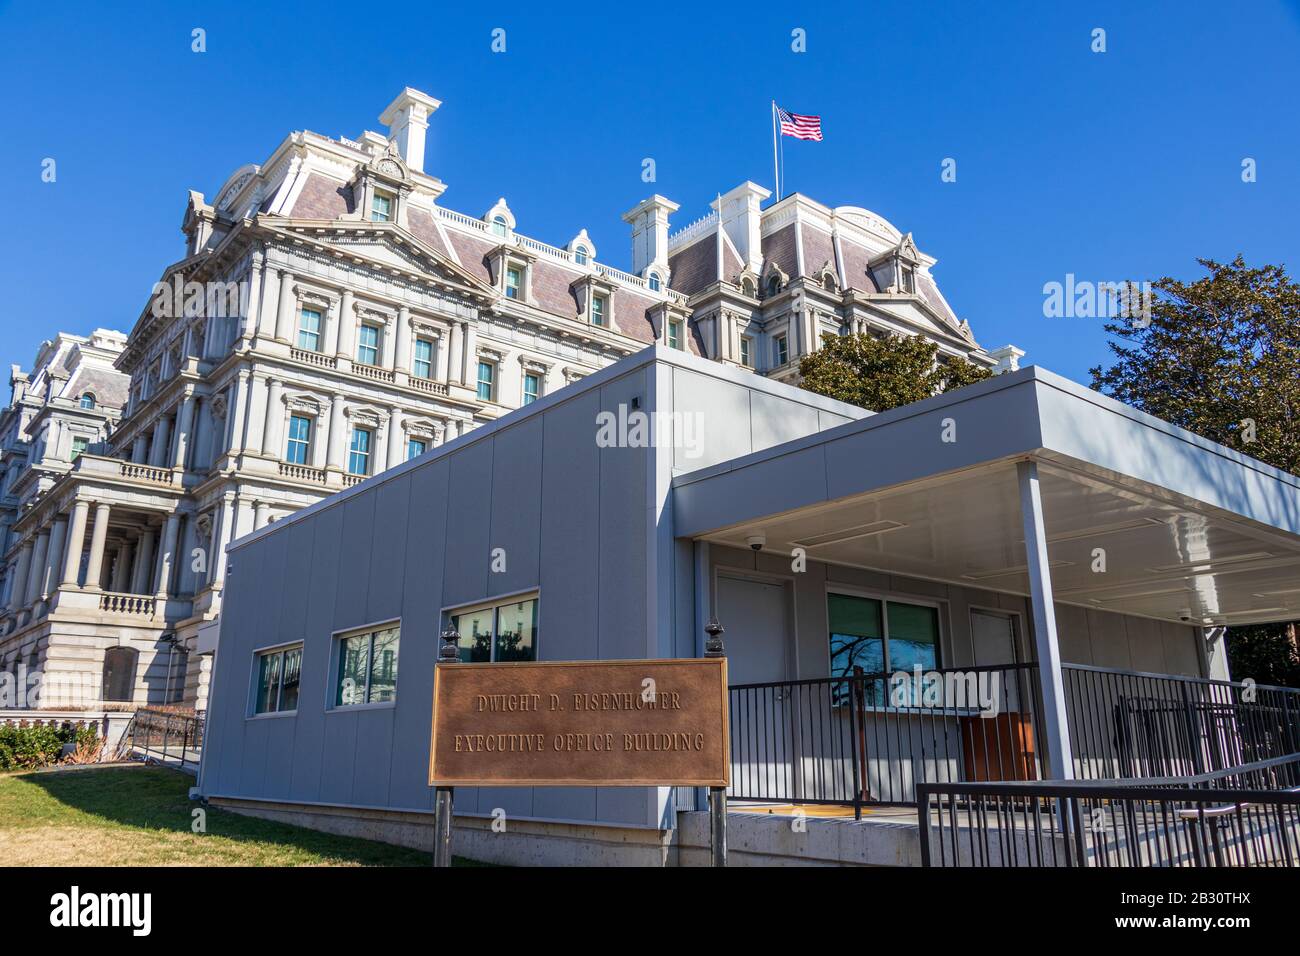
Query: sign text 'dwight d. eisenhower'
[[598, 723]]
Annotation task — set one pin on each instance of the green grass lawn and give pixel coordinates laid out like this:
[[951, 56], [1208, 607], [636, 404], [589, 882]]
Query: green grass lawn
[[133, 816]]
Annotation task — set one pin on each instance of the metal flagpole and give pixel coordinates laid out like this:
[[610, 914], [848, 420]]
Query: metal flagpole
[[776, 169]]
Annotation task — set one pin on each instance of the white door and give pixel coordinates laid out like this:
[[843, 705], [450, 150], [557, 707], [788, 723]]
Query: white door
[[758, 638], [994, 638]]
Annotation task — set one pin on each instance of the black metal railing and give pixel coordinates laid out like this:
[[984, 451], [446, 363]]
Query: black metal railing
[[1125, 724], [870, 738], [1240, 816], [169, 736]]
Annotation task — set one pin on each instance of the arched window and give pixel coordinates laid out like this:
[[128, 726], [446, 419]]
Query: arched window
[[654, 282], [119, 673], [774, 285], [88, 400], [747, 287], [499, 225], [580, 255]]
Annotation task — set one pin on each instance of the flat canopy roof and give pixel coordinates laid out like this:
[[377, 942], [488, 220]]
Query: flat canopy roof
[[1189, 530]]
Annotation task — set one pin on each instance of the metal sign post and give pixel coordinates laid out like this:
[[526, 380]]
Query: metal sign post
[[717, 795], [442, 803]]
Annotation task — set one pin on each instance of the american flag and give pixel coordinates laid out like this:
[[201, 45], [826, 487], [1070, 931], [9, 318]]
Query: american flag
[[799, 126]]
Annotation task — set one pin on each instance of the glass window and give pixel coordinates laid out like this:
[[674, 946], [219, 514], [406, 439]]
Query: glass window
[[913, 636], [359, 455], [79, 445], [88, 400], [422, 366], [598, 309], [278, 676], [486, 373], [381, 207], [367, 668], [857, 634], [514, 279], [505, 632], [746, 351], [674, 334], [782, 350], [368, 345], [881, 637], [499, 225], [299, 440], [580, 255], [532, 387], [654, 282], [309, 330], [415, 447]]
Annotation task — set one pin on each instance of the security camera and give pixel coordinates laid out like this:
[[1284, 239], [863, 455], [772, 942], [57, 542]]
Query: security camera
[[1185, 616], [756, 541]]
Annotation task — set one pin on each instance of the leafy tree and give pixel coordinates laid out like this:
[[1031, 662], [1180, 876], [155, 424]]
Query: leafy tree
[[884, 373], [1220, 356]]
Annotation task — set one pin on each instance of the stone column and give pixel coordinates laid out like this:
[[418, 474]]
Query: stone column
[[337, 436], [184, 430], [452, 430], [347, 326], [457, 350], [162, 433], [167, 557], [21, 571], [402, 362], [248, 326], [440, 347], [274, 419], [396, 453], [319, 438], [237, 412], [39, 555], [388, 345], [98, 537], [54, 560], [256, 416], [261, 512], [143, 562], [284, 312], [469, 373], [379, 450], [121, 568], [76, 542], [225, 531], [140, 449]]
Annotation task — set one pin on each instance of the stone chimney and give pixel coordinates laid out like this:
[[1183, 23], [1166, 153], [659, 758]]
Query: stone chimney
[[649, 222], [407, 119], [1008, 358], [740, 214]]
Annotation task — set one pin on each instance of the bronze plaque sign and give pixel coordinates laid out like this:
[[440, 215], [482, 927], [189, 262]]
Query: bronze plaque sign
[[581, 723]]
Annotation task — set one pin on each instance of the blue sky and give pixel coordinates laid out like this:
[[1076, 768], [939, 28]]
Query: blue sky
[[1125, 164]]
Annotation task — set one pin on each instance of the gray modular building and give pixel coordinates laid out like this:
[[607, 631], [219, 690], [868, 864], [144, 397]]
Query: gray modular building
[[611, 519]]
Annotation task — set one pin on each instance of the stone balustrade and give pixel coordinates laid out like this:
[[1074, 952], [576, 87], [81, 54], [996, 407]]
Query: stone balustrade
[[113, 602]]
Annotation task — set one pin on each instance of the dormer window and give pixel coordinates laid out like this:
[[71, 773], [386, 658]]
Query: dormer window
[[499, 226], [381, 207], [87, 401], [675, 334], [580, 255], [599, 310], [654, 282], [774, 285], [908, 282], [514, 282]]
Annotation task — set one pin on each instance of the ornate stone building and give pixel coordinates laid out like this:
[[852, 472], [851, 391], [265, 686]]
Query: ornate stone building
[[331, 318]]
